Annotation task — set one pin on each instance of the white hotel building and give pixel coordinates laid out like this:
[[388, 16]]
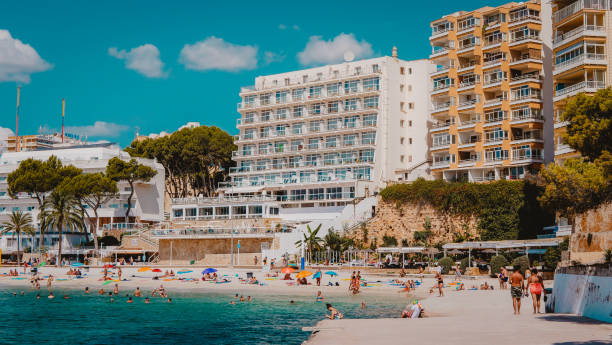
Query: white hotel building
[[323, 136]]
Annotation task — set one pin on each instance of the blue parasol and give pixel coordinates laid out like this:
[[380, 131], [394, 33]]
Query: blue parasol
[[209, 270], [331, 273], [317, 275], [77, 264]]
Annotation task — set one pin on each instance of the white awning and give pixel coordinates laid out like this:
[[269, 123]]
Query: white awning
[[503, 244]]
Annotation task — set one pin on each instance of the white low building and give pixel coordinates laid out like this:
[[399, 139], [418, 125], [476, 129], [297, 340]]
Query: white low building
[[147, 202]]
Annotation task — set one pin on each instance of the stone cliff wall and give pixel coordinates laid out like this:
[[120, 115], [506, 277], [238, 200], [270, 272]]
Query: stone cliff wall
[[592, 235], [402, 221]]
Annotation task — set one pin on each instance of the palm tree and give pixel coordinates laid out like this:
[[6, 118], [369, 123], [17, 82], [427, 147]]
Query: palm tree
[[18, 223], [60, 211], [312, 241]]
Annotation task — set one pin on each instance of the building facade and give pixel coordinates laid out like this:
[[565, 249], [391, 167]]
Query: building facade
[[581, 57], [492, 92], [322, 137], [147, 202]]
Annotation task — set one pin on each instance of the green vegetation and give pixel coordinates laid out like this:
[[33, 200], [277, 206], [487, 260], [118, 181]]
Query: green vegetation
[[505, 209], [18, 223], [464, 263], [497, 262], [389, 241], [552, 256], [446, 263], [522, 262], [195, 159], [335, 242], [311, 240], [132, 172], [608, 256]]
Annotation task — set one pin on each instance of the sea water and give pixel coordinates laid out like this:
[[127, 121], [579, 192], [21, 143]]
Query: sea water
[[191, 318]]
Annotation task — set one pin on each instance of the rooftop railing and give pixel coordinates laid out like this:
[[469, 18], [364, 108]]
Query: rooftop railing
[[569, 10]]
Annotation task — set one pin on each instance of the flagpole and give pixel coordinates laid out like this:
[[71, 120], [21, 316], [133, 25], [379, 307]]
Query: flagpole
[[63, 114]]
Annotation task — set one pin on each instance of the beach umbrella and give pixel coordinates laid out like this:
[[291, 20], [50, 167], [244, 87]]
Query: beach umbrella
[[109, 266], [144, 269], [77, 264], [317, 275], [209, 270], [331, 273], [287, 270], [303, 274], [157, 270]]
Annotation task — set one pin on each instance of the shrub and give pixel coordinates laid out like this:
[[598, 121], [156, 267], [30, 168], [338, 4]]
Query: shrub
[[608, 256], [389, 241], [523, 262], [464, 264], [109, 241], [552, 256], [497, 262], [446, 263]]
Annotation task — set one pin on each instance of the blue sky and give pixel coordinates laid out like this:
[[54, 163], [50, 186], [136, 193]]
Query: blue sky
[[158, 65]]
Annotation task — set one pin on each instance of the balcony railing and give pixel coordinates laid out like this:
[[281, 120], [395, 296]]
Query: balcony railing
[[525, 57], [441, 69], [533, 75], [583, 85], [469, 103], [496, 100], [527, 136], [439, 51], [443, 86], [495, 41], [569, 10], [521, 17], [441, 164], [492, 62], [524, 38], [532, 94], [525, 154], [441, 106], [580, 59], [469, 45], [518, 115], [577, 32]]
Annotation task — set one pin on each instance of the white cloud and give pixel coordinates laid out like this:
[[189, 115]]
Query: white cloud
[[270, 57], [4, 134], [18, 60], [98, 129], [216, 54], [319, 51], [143, 59], [296, 27], [282, 26]]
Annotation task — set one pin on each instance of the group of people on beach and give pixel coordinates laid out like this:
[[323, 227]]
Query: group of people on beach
[[355, 282]]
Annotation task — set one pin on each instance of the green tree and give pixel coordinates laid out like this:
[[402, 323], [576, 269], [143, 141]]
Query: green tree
[[19, 223], [336, 242], [61, 211], [311, 240], [573, 188], [131, 172], [38, 178], [446, 263], [589, 120], [389, 241], [497, 262], [523, 262], [92, 190]]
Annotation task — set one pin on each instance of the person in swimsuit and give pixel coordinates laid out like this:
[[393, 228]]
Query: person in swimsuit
[[516, 289], [440, 284], [137, 292], [535, 286], [320, 297], [335, 314]]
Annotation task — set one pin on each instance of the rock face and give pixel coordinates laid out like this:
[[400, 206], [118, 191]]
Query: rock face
[[402, 221], [592, 235]]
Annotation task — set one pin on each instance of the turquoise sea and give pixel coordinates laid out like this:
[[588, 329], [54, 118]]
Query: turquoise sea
[[201, 318]]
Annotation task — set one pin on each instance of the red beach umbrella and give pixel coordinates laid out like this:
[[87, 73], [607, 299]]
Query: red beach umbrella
[[287, 270], [156, 270]]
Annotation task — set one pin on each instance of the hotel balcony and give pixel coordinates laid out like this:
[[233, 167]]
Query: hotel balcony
[[323, 97], [441, 163], [316, 164], [439, 31], [514, 41], [492, 63], [467, 85], [441, 69], [494, 102], [583, 59], [442, 87], [493, 43], [439, 51], [576, 7], [302, 149], [465, 105], [526, 115], [526, 58], [533, 77], [468, 123], [579, 32], [441, 106], [308, 115], [522, 17], [532, 95], [441, 126], [526, 156], [468, 162], [466, 67], [305, 132], [527, 137], [583, 86], [494, 119]]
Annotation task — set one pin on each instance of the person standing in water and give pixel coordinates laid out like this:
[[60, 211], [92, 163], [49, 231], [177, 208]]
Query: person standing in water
[[516, 289], [49, 281], [535, 285]]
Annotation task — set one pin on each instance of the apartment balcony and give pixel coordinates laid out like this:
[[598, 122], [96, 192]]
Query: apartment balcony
[[494, 141], [533, 77], [467, 85], [465, 105], [309, 115], [466, 67], [309, 165], [497, 120], [560, 124], [471, 123], [562, 149], [468, 143], [441, 106], [440, 70], [324, 96], [492, 63], [440, 164], [523, 18], [527, 137], [442, 87], [583, 59], [579, 32], [466, 26], [494, 43], [534, 95], [491, 159], [439, 33], [467, 162], [583, 86], [524, 39], [440, 126], [307, 132], [467, 47], [519, 117], [493, 83], [576, 7], [494, 102], [526, 58], [441, 146], [441, 51], [525, 156]]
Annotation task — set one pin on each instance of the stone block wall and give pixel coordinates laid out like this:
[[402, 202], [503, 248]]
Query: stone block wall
[[211, 251], [592, 235]]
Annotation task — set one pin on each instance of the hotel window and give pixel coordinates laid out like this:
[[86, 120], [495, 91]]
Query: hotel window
[[264, 132], [371, 102], [357, 70], [316, 194], [402, 141], [368, 138], [332, 107], [249, 133], [366, 156], [351, 121], [409, 141], [402, 106], [331, 142], [443, 139], [298, 111], [297, 145], [297, 94], [332, 124], [402, 70], [298, 194], [262, 164], [375, 68], [298, 128], [334, 193], [372, 84], [249, 117], [315, 91], [351, 104], [402, 123], [362, 173], [333, 89], [280, 130], [315, 126], [315, 109], [248, 150], [497, 134], [313, 144], [348, 157], [265, 116], [410, 105], [330, 158], [287, 82], [279, 146], [312, 160], [369, 120], [249, 101], [295, 161], [351, 139], [319, 76], [282, 97], [351, 86], [304, 78], [307, 176], [409, 123], [278, 163], [324, 175], [281, 114], [265, 99]]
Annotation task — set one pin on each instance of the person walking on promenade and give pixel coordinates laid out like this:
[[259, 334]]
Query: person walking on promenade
[[535, 285], [516, 289]]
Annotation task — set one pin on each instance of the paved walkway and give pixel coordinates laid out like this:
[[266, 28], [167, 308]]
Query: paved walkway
[[468, 317]]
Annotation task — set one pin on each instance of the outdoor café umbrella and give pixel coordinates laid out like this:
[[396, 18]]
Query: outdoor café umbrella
[[209, 270], [303, 274], [317, 275], [287, 270], [144, 269], [331, 273]]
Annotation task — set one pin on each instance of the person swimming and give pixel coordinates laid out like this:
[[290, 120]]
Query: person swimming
[[101, 292], [50, 295], [147, 300], [86, 289], [129, 300], [335, 314], [137, 292], [248, 298], [116, 289], [66, 297], [241, 298], [320, 297], [38, 296], [169, 300]]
